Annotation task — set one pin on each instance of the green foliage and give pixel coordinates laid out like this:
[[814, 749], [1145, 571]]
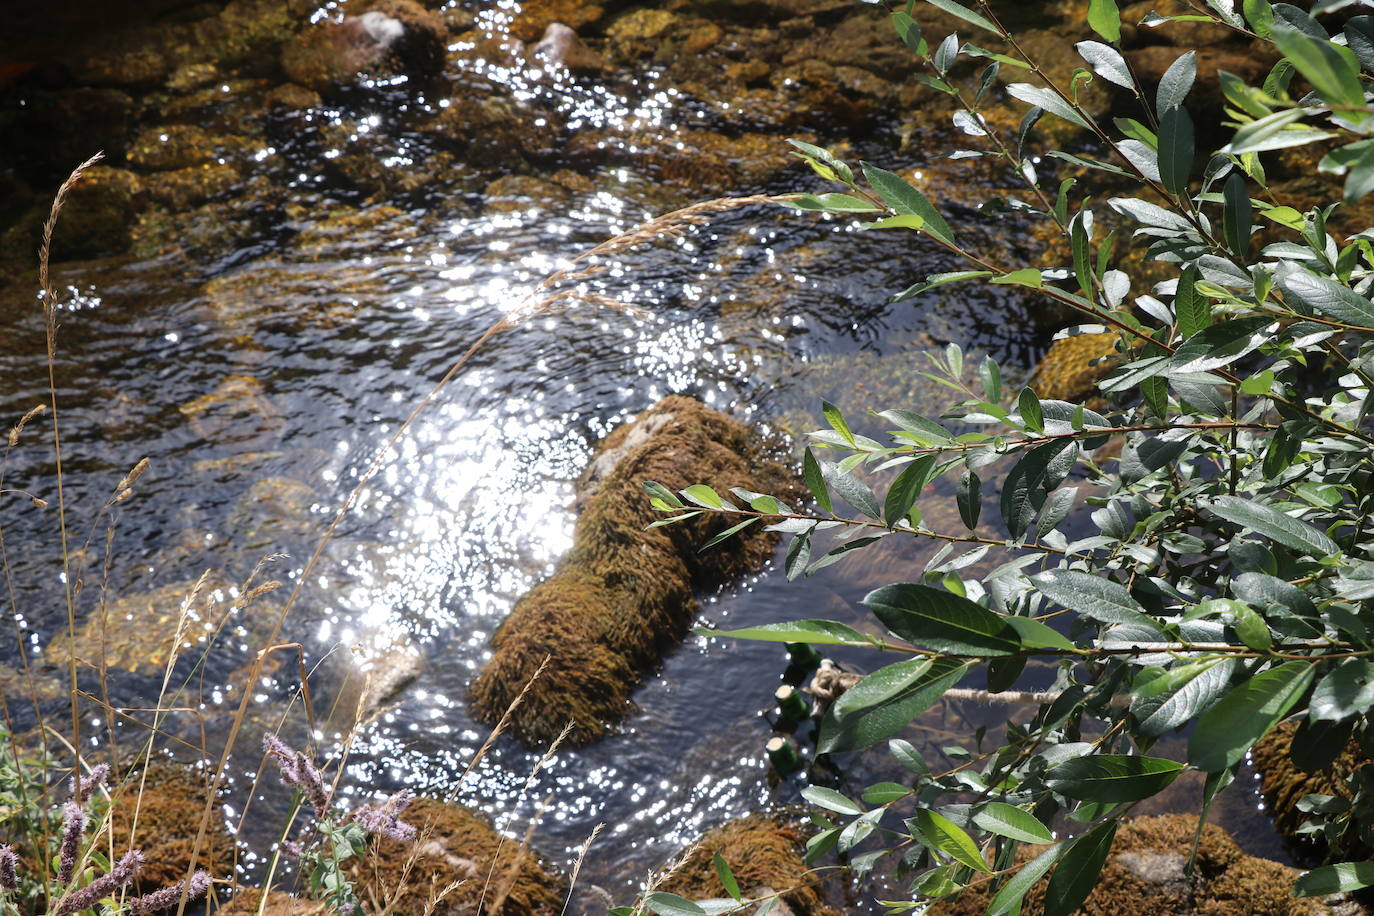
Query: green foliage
[[1215, 569]]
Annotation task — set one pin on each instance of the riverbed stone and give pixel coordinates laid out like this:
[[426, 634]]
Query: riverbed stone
[[173, 146], [1072, 367], [183, 189], [536, 15], [139, 632], [237, 412]]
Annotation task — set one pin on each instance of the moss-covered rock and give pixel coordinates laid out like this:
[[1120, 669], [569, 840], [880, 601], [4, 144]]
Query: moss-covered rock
[[624, 594], [764, 853], [456, 846], [1145, 876], [1283, 785], [159, 811]]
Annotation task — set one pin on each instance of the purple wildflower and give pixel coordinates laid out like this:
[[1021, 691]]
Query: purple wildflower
[[298, 771], [125, 870], [73, 826], [292, 848], [9, 869], [170, 896], [385, 818], [89, 783]]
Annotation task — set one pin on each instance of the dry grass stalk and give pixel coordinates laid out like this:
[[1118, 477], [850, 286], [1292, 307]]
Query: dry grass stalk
[[514, 870], [577, 865], [18, 428]]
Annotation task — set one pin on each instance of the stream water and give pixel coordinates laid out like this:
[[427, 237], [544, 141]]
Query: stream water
[[261, 375]]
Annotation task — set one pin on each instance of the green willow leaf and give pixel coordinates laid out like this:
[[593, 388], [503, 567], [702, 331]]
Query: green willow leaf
[[1193, 310], [831, 800], [817, 632], [942, 834], [1275, 525], [1105, 19], [1176, 83], [1182, 701], [1312, 294], [1092, 596], [1237, 219], [969, 497], [1335, 879], [942, 622], [726, 534], [1044, 98], [664, 904], [1008, 899], [1012, 822], [898, 194], [1112, 778], [1176, 148], [901, 496], [891, 699], [1333, 71], [1028, 482], [1246, 714], [815, 481], [1344, 692], [966, 14], [1076, 876]]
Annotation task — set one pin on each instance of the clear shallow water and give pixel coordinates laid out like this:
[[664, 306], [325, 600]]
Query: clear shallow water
[[262, 381]]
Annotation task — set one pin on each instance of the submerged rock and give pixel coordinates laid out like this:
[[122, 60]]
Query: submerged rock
[[1145, 877], [456, 850], [392, 36], [624, 594], [139, 632], [764, 852], [1072, 367]]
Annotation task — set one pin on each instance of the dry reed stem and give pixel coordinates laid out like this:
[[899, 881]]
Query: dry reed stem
[[577, 866], [513, 872], [498, 900]]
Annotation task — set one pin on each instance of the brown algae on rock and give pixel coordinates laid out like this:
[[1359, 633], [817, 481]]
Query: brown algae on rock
[[159, 812], [455, 846], [1145, 876], [138, 633], [764, 852], [1283, 785], [624, 594]]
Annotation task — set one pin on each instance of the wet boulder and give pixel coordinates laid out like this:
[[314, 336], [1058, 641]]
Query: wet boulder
[[535, 16], [1072, 367], [384, 36], [625, 593], [1284, 784], [96, 220], [140, 632]]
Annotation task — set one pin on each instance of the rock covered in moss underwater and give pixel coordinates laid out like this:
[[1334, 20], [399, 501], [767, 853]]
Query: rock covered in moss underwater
[[1145, 876], [624, 594]]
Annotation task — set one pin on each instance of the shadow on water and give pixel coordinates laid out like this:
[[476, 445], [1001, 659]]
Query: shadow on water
[[260, 349]]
